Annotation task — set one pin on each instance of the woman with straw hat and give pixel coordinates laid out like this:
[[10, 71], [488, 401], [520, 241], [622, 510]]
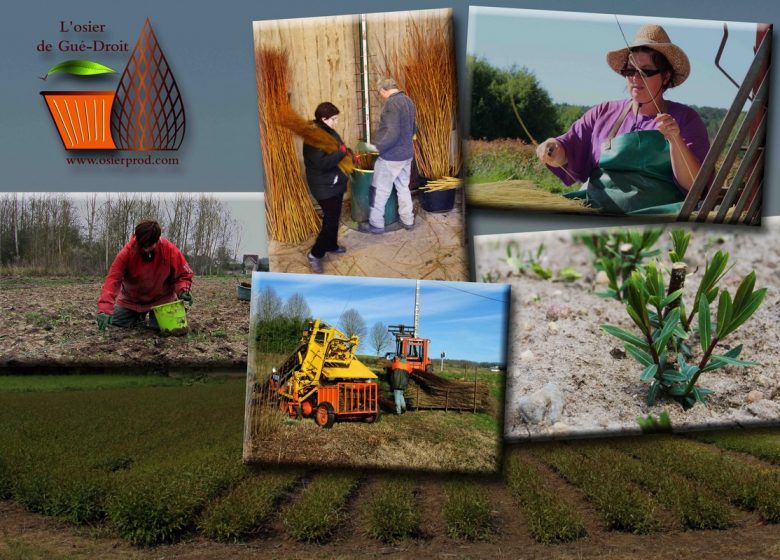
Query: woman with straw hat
[[636, 155]]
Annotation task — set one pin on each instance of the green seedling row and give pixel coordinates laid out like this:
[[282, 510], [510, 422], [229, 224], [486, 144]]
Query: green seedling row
[[245, 510], [467, 510], [764, 445], [747, 485], [551, 518], [623, 506], [392, 511], [320, 509], [695, 507]]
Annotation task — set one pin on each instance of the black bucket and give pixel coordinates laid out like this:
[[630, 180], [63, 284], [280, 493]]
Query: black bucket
[[438, 201]]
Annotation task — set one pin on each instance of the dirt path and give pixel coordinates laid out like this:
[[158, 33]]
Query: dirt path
[[555, 337], [433, 250], [49, 326]]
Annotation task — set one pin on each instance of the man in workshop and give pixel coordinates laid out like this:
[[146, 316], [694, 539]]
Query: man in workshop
[[148, 271], [394, 142], [399, 380]]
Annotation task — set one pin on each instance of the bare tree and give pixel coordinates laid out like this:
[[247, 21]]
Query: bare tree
[[297, 307], [352, 323], [379, 337], [269, 304]]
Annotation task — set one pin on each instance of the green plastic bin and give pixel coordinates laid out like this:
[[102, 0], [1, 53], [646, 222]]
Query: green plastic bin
[[361, 186], [171, 317]]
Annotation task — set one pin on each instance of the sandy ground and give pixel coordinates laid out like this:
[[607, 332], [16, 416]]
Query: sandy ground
[[555, 337], [433, 250], [48, 325]]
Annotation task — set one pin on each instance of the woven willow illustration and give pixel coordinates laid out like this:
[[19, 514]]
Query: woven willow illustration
[[148, 113]]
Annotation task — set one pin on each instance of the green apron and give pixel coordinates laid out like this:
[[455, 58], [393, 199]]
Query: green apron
[[634, 175]]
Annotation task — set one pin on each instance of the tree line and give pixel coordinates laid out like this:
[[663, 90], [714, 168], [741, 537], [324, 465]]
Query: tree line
[[52, 232], [494, 91], [279, 325]]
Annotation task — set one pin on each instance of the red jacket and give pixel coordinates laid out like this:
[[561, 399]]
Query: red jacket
[[142, 285]]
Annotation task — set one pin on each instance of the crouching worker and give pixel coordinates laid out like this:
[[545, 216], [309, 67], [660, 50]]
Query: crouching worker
[[148, 271]]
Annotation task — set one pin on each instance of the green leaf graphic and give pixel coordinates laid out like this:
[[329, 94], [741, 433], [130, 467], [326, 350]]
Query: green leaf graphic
[[80, 68]]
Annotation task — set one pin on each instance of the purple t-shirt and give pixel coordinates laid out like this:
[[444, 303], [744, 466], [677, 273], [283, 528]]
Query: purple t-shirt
[[582, 142]]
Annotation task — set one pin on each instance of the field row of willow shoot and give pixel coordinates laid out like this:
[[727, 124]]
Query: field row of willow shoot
[[160, 464]]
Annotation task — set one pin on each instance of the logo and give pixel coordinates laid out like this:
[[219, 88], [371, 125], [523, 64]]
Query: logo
[[145, 112]]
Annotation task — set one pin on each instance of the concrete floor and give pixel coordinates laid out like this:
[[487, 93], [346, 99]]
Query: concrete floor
[[433, 250]]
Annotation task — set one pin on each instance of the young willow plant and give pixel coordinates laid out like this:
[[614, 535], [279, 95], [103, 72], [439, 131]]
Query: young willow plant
[[663, 329], [619, 254]]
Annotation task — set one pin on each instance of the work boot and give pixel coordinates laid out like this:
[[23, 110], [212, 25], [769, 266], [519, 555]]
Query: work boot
[[338, 250], [315, 264], [365, 227], [408, 227]]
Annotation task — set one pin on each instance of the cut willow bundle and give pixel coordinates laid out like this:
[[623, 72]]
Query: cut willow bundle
[[443, 184], [522, 195], [312, 135], [426, 72], [290, 213]]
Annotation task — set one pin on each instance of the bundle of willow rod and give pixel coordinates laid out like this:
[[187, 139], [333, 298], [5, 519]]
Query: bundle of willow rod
[[426, 72], [522, 194], [312, 135], [290, 214], [443, 184]]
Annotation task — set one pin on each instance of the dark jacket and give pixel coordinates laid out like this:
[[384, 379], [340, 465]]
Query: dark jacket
[[323, 175], [399, 379], [396, 128]]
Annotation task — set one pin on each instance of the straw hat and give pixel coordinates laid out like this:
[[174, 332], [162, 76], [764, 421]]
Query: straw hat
[[654, 37]]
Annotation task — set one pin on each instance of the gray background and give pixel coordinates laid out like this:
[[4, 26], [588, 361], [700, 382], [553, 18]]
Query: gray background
[[209, 48]]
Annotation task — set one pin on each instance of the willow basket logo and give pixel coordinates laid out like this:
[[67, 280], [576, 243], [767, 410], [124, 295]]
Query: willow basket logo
[[144, 113]]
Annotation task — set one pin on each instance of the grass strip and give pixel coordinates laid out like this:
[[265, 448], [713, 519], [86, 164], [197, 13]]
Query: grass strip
[[696, 507], [159, 505], [320, 508], [764, 444], [747, 485], [622, 505], [392, 510], [551, 518], [467, 510], [244, 511]]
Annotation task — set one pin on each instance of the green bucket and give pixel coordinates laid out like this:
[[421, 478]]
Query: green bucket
[[171, 317], [361, 186]]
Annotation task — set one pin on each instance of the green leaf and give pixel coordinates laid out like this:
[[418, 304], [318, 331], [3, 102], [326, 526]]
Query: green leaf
[[639, 355], [724, 313], [678, 390], [625, 336], [80, 68], [744, 290], [671, 297], [749, 307], [607, 294], [544, 273], [705, 325], [652, 393], [568, 274], [649, 372], [673, 376], [732, 361], [734, 352], [670, 323]]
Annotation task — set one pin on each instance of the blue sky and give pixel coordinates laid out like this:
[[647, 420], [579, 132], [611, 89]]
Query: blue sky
[[466, 321], [567, 52]]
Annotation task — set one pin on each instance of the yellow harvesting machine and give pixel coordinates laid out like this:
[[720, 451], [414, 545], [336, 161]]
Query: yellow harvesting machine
[[323, 378]]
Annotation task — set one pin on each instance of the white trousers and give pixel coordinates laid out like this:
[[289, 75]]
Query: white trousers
[[389, 175]]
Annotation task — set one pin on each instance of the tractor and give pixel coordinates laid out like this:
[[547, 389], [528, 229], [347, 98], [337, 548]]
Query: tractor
[[411, 352], [323, 378]]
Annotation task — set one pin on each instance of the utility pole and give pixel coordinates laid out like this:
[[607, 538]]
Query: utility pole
[[416, 308]]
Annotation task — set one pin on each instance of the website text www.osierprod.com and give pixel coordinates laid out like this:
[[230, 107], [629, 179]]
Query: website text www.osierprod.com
[[122, 161]]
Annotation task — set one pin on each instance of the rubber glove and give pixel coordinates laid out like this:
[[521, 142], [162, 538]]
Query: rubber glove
[[366, 147], [187, 297], [103, 320]]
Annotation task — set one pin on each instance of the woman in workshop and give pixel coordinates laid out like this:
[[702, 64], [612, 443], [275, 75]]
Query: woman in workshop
[[327, 184], [637, 155]]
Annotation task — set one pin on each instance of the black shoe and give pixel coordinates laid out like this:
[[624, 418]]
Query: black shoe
[[338, 250], [315, 264], [409, 227]]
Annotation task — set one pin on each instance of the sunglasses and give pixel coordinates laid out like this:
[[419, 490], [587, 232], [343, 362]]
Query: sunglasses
[[630, 72]]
